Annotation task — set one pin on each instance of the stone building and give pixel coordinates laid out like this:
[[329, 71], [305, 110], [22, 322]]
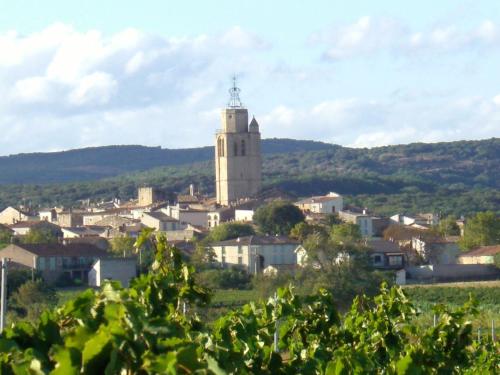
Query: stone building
[[146, 196], [237, 153]]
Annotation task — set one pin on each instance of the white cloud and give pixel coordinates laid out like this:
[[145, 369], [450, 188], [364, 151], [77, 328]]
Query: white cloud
[[97, 88], [63, 88], [369, 35], [33, 89], [367, 123]]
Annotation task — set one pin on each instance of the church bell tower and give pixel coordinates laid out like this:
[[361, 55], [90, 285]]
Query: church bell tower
[[237, 153]]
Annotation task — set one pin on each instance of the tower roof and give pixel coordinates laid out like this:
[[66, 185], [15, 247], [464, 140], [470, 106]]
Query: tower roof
[[234, 96], [254, 125]]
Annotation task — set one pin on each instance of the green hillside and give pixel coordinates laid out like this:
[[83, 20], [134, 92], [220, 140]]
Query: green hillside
[[455, 177], [99, 162]]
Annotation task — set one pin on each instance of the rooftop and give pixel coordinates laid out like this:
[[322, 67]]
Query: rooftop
[[482, 251], [258, 240], [73, 249], [161, 216]]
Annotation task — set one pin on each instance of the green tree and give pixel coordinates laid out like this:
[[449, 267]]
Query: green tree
[[228, 231], [32, 298], [339, 263], [302, 230], [5, 237], [448, 227], [43, 233], [203, 255], [346, 232], [496, 260], [123, 246], [481, 230], [278, 217]]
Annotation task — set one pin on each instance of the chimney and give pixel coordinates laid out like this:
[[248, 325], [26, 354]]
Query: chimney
[[191, 190]]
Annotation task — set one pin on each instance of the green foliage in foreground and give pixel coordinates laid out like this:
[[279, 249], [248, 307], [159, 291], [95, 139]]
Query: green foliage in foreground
[[143, 330]]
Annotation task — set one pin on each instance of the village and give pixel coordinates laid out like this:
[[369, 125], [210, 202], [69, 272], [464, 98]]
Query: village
[[92, 243], [407, 245]]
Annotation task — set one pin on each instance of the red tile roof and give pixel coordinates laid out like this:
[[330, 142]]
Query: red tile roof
[[482, 251]]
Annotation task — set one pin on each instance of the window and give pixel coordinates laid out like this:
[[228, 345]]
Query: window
[[52, 264], [220, 147], [240, 250], [396, 260], [377, 259], [243, 149], [41, 263], [235, 147]]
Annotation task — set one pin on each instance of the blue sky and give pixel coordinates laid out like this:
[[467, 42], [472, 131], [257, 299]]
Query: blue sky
[[363, 74]]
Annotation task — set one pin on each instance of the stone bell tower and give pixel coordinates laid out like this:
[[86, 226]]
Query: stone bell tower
[[237, 153]]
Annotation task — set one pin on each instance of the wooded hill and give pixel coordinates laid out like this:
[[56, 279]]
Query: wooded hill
[[453, 177], [99, 162]]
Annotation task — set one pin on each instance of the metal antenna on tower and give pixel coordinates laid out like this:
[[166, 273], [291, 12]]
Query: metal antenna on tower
[[234, 96]]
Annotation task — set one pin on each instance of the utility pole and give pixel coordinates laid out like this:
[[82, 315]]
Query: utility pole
[[3, 295]]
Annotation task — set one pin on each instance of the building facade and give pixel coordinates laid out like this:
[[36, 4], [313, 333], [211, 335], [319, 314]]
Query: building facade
[[237, 153], [255, 253]]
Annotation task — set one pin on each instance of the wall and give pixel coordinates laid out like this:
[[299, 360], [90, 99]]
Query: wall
[[451, 272], [119, 269]]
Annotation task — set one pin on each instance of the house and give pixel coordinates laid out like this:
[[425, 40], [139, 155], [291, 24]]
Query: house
[[22, 228], [12, 215], [325, 204], [161, 221], [255, 253], [69, 219], [188, 233], [48, 214], [436, 250], [53, 261], [80, 232], [363, 220], [386, 254], [379, 225], [115, 221], [117, 269], [219, 215], [93, 217], [244, 211], [424, 220], [189, 215], [480, 255]]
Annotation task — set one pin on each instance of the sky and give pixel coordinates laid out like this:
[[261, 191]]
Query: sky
[[157, 73]]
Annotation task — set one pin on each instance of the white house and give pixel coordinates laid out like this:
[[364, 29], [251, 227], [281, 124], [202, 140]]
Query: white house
[[161, 221], [197, 217], [324, 204], [255, 253], [48, 214], [119, 269]]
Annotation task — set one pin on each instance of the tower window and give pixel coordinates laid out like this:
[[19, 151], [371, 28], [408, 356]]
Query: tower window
[[243, 150], [220, 147], [235, 149]]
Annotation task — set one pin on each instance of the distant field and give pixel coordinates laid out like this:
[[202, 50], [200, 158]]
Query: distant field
[[466, 284]]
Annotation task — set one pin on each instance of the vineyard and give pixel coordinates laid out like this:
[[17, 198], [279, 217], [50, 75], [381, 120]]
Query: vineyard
[[153, 327]]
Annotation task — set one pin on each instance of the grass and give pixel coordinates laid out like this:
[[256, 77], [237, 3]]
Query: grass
[[464, 284], [234, 296], [65, 294]]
